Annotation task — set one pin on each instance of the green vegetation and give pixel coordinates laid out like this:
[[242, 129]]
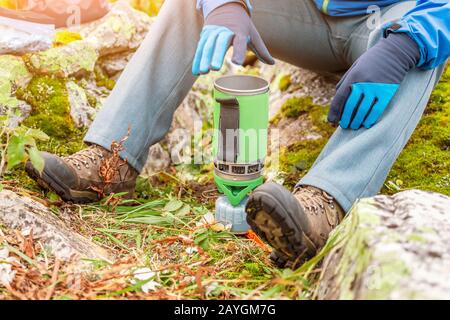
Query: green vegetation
[[425, 162], [102, 80], [17, 145], [50, 106], [284, 82], [51, 113]]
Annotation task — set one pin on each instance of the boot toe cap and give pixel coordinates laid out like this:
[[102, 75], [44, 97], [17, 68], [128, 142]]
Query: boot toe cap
[[55, 168]]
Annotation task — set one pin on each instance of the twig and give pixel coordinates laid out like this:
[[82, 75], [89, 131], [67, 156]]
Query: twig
[[54, 279], [15, 293]]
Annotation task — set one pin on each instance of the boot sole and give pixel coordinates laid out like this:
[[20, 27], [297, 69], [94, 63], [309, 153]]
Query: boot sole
[[270, 213], [46, 181]]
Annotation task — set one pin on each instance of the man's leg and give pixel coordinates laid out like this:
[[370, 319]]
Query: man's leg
[[153, 84], [354, 164], [150, 89]]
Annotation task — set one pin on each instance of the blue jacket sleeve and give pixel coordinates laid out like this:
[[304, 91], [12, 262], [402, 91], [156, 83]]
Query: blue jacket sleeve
[[209, 5], [429, 25]]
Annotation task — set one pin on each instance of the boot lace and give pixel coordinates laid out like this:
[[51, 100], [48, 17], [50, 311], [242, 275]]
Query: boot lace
[[313, 199], [85, 157]]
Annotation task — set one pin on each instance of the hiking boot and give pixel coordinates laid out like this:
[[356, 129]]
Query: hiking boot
[[77, 177], [295, 224]]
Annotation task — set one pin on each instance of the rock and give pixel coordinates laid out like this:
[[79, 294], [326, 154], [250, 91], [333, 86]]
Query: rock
[[80, 110], [19, 37], [187, 121], [24, 214], [114, 37], [7, 273], [73, 58], [187, 116], [113, 64], [320, 87], [293, 130], [91, 88], [122, 29], [179, 144], [21, 111], [390, 247]]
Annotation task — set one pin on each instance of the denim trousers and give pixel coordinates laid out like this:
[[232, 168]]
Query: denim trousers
[[352, 165]]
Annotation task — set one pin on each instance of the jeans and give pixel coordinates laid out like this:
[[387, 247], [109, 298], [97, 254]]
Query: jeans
[[353, 164]]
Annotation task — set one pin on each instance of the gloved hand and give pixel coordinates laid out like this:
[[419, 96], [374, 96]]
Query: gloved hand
[[368, 87], [226, 25]]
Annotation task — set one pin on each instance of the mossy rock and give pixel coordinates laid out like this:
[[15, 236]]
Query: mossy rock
[[51, 113], [102, 79], [389, 247], [295, 107], [284, 82], [73, 58]]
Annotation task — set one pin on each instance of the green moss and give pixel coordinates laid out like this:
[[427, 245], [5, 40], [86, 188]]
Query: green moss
[[50, 106], [92, 100], [51, 113], [297, 106], [425, 161], [102, 80], [297, 159], [19, 176], [284, 82], [74, 58]]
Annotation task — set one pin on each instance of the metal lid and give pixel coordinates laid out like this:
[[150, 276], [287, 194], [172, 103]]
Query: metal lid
[[241, 85]]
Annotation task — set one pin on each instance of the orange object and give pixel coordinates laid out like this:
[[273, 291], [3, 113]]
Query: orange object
[[61, 13], [26, 16], [252, 236]]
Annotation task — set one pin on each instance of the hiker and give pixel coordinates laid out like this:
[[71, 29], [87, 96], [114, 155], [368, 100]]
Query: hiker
[[392, 66]]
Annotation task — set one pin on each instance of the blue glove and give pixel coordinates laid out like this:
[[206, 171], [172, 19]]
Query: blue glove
[[368, 87], [226, 25]]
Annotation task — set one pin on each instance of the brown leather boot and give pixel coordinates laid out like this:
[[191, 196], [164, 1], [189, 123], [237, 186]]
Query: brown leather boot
[[295, 224], [77, 177]]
